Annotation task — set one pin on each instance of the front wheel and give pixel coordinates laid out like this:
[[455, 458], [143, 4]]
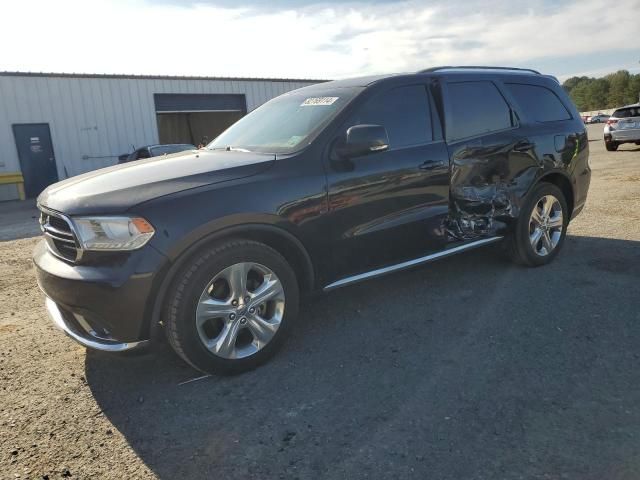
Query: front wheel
[[540, 230], [231, 307]]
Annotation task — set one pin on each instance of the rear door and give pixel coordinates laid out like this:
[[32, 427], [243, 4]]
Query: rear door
[[488, 155], [390, 206], [35, 151]]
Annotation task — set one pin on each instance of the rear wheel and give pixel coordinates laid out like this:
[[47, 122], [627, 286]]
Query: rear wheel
[[231, 307], [611, 146], [541, 228]]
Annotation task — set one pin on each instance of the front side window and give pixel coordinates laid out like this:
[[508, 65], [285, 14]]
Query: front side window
[[287, 123], [539, 103], [403, 111], [477, 108]]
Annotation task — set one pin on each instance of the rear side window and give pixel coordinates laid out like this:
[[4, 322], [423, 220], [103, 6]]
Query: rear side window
[[403, 111], [627, 112], [477, 108], [539, 103]]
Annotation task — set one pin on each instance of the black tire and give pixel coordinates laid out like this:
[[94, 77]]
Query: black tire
[[191, 281], [611, 146], [518, 242]]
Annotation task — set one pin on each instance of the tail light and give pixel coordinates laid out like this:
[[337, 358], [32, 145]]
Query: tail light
[[611, 122]]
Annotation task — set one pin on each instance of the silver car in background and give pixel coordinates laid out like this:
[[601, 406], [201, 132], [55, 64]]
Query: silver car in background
[[600, 118], [623, 127]]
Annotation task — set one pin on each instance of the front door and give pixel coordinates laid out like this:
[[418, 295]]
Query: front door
[[390, 206], [35, 152]]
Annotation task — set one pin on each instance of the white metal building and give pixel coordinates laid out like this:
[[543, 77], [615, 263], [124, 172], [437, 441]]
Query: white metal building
[[54, 126]]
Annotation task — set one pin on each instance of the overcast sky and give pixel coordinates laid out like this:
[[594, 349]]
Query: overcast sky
[[316, 39]]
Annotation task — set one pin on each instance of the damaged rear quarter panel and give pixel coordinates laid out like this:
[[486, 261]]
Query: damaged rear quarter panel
[[490, 176], [488, 183]]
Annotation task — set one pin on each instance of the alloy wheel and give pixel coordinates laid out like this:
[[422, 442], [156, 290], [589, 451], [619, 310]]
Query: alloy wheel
[[545, 225], [240, 310]]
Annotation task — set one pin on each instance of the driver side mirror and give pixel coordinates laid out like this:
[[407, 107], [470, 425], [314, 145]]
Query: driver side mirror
[[364, 140]]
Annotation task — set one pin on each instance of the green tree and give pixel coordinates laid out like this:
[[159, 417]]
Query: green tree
[[633, 90], [613, 90], [618, 85], [598, 93], [570, 83]]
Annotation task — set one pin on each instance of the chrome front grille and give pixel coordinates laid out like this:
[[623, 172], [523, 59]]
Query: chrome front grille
[[59, 235]]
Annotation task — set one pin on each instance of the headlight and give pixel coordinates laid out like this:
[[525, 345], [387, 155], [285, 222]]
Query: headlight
[[113, 233]]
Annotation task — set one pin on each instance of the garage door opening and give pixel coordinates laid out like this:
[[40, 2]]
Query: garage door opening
[[196, 118]]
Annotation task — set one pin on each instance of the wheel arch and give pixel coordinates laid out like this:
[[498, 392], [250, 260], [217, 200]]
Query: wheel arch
[[282, 241], [562, 181]]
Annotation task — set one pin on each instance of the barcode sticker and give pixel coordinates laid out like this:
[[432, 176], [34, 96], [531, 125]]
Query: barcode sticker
[[316, 101]]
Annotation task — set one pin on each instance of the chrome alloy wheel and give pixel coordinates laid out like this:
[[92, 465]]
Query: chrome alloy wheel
[[545, 225], [240, 310]]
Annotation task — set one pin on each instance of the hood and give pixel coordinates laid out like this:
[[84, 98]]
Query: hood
[[118, 188]]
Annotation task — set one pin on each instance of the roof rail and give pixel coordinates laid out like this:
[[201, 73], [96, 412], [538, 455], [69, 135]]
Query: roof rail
[[478, 67]]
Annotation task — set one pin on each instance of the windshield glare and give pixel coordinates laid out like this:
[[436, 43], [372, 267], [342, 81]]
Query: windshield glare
[[286, 123]]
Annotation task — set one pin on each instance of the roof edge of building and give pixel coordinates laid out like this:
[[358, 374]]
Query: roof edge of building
[[153, 77]]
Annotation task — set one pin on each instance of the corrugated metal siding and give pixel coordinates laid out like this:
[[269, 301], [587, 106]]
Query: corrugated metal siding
[[95, 119], [194, 102]]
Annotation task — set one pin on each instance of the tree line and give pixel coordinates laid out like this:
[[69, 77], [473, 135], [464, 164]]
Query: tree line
[[614, 90]]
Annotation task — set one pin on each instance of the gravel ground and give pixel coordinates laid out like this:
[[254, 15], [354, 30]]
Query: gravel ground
[[470, 368], [18, 220]]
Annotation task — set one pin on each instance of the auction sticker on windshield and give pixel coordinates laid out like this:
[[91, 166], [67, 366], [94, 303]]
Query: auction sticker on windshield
[[316, 101]]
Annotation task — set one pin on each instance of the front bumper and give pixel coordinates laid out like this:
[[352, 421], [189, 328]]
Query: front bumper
[[77, 328], [106, 306]]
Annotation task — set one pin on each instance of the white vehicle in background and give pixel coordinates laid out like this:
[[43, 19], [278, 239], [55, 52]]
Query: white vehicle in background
[[623, 127]]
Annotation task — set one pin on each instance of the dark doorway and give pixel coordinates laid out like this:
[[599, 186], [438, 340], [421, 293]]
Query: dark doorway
[[196, 118], [194, 127], [35, 151]]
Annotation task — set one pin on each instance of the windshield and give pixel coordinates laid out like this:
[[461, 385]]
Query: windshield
[[287, 123]]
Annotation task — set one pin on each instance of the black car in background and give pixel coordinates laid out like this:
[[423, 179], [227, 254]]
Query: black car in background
[[149, 151], [317, 189]]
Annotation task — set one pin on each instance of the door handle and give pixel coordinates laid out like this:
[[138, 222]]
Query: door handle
[[430, 165], [523, 146]]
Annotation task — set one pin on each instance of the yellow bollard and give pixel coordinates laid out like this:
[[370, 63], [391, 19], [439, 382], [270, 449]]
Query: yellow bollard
[[16, 179]]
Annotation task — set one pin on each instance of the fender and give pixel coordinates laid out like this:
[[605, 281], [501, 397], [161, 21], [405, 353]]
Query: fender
[[247, 230]]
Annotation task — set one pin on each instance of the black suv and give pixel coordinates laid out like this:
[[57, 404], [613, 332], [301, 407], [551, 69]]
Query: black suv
[[317, 189]]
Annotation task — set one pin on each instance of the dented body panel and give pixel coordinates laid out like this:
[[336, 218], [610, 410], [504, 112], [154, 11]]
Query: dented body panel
[[491, 174]]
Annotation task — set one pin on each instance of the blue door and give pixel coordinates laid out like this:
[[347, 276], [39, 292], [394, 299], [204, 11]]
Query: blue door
[[35, 151]]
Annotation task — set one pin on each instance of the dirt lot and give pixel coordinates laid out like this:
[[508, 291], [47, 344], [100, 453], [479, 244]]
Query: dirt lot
[[471, 368]]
